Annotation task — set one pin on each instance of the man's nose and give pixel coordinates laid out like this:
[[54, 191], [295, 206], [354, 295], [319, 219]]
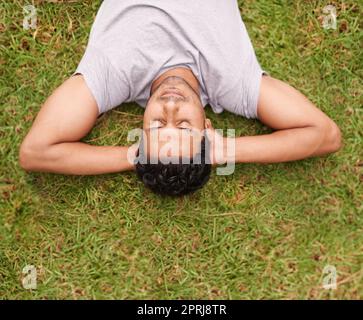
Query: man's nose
[[171, 106]]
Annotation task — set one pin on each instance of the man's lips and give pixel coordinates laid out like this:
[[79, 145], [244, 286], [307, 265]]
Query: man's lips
[[172, 93]]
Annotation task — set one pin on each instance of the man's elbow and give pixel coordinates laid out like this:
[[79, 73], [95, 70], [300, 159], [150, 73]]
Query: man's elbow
[[26, 156], [31, 156], [333, 138]]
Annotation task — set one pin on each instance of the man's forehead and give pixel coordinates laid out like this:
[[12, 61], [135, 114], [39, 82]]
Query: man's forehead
[[172, 142]]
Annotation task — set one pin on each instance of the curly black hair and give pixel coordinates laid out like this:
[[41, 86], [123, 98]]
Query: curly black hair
[[175, 179]]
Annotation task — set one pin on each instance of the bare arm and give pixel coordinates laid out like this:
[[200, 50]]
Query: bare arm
[[302, 130], [52, 144]]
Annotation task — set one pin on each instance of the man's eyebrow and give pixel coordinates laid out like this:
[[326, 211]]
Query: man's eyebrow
[[155, 128]]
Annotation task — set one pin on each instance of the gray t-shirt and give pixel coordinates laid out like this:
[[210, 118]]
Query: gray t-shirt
[[132, 42]]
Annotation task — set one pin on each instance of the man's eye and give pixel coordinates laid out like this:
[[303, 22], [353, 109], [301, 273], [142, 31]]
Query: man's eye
[[155, 128], [156, 124]]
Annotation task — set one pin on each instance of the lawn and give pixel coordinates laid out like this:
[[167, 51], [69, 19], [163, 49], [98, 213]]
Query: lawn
[[265, 232]]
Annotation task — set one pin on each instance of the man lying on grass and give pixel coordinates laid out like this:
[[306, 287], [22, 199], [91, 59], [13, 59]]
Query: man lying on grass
[[173, 58]]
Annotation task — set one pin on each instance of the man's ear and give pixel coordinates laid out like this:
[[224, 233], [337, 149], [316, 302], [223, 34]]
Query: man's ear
[[208, 124]]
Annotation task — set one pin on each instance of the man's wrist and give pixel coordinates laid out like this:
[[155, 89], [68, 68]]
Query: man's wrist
[[132, 155], [229, 150]]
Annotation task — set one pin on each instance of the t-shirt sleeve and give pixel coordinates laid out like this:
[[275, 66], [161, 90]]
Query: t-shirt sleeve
[[241, 98], [107, 85]]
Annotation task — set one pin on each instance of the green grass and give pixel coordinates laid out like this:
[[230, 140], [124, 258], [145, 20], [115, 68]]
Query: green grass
[[265, 232]]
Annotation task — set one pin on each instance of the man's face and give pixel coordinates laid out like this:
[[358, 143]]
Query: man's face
[[175, 116]]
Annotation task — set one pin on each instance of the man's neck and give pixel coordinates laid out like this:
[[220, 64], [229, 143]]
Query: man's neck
[[184, 73]]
